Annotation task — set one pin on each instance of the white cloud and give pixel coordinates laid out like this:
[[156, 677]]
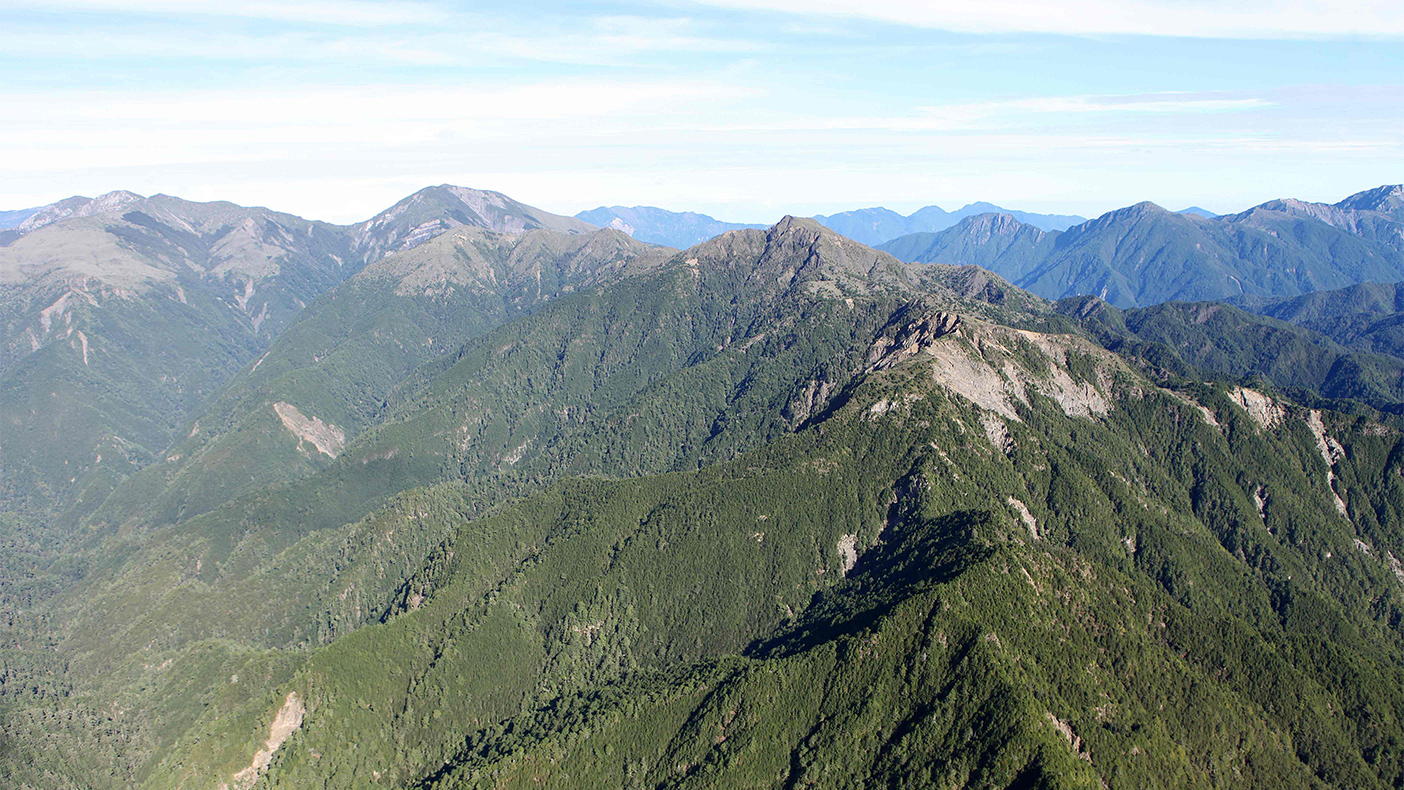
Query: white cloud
[[353, 13], [453, 41], [1189, 18], [970, 116]]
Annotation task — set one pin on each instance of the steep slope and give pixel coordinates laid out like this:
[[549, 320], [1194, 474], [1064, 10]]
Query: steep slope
[[730, 344], [679, 229], [1297, 220], [9, 219], [780, 510], [1044, 222], [119, 315], [997, 242], [434, 210], [1030, 605], [1144, 255], [331, 371], [512, 407], [1032, 567], [877, 225], [1387, 199]]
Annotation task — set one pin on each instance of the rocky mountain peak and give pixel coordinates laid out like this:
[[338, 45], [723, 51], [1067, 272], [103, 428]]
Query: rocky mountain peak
[[1387, 199], [997, 224], [434, 210], [79, 206]]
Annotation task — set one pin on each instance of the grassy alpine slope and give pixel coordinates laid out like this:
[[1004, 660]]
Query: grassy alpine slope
[[780, 510], [121, 316], [334, 368]]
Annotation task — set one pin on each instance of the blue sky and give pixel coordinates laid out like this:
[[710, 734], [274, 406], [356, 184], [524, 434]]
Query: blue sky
[[744, 109]]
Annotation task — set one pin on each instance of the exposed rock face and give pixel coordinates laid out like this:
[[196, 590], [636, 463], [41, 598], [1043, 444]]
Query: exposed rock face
[[327, 438], [848, 552], [288, 721], [1264, 411], [810, 401], [996, 367], [1331, 452], [918, 336], [1025, 516], [79, 207]]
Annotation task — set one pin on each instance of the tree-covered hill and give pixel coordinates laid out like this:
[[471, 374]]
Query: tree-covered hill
[[1369, 316], [1218, 340]]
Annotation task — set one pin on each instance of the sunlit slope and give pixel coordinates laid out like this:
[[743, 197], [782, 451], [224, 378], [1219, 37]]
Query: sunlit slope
[[293, 410], [114, 326], [121, 315], [1049, 571]]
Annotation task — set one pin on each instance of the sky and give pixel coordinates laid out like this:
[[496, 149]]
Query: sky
[[743, 109]]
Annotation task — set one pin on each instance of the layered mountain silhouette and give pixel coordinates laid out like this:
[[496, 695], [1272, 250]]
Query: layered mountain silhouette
[[1143, 254], [1368, 317], [472, 495], [659, 226], [870, 226], [878, 225]]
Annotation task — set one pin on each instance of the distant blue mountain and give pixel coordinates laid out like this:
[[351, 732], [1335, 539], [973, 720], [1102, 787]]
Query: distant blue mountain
[[9, 219], [875, 226], [680, 229], [1196, 210], [1143, 254], [871, 226]]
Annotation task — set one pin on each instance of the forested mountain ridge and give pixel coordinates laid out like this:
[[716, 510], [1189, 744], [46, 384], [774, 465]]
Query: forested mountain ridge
[[1369, 316], [1199, 339], [659, 341], [118, 316], [997, 242]]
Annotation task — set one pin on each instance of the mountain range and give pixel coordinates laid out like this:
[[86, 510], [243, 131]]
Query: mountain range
[[1143, 255], [878, 225], [869, 225], [120, 314], [659, 226], [473, 495]]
